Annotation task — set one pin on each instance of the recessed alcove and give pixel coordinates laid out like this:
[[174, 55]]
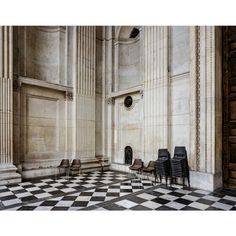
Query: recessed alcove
[[128, 155]]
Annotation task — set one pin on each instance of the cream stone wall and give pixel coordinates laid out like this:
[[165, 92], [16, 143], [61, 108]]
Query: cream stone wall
[[42, 53], [179, 92], [63, 97], [128, 128]]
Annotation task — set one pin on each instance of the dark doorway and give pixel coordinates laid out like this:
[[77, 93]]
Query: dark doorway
[[229, 106], [128, 155]]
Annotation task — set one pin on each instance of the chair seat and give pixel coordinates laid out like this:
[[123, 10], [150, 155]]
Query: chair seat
[[135, 167], [148, 169], [75, 168]]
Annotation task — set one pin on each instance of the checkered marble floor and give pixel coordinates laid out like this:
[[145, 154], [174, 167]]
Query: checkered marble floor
[[173, 198], [36, 190], [127, 194], [88, 198]]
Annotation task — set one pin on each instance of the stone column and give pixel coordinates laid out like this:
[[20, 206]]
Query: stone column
[[7, 169], [206, 87], [155, 63]]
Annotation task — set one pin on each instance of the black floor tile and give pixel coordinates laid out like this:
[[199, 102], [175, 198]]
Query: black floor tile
[[101, 190], [45, 186], [154, 193], [29, 186], [86, 193], [26, 208], [196, 194], [56, 192], [140, 208], [37, 192], [114, 186], [165, 208], [188, 208], [69, 198], [19, 191], [183, 201], [28, 198], [160, 200], [136, 199], [228, 202], [4, 190], [211, 208], [12, 185], [61, 187], [126, 191], [176, 194], [49, 203], [97, 199], [112, 194], [216, 194], [60, 208], [205, 201], [114, 207], [6, 198], [80, 204]]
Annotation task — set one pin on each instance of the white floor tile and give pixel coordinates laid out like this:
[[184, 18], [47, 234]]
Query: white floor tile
[[146, 196], [151, 205], [126, 203]]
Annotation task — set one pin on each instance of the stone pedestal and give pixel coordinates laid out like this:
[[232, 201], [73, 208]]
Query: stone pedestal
[[7, 169]]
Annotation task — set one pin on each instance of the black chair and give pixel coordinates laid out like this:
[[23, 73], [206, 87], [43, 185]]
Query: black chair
[[179, 164], [163, 166], [137, 165], [150, 169], [75, 166], [65, 164]]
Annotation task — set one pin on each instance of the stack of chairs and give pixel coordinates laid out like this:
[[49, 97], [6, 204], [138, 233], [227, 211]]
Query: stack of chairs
[[179, 164], [163, 166]]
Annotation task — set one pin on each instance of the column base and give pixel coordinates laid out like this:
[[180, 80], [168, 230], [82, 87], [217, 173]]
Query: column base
[[205, 181], [8, 174]]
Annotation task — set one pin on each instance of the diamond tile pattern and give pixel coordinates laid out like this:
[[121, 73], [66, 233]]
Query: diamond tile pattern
[[109, 190]]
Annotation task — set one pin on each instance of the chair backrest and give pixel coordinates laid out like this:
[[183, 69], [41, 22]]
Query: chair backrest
[[64, 162], [163, 153], [151, 164], [138, 162], [76, 162], [180, 151]]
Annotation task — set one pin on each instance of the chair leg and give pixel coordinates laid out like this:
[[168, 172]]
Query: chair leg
[[188, 182], [183, 181], [59, 172], [166, 180]]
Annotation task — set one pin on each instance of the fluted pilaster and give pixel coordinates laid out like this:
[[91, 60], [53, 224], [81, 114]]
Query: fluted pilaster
[[6, 95], [155, 63], [85, 90]]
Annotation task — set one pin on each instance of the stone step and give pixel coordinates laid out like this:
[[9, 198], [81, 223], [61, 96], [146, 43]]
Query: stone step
[[28, 170]]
